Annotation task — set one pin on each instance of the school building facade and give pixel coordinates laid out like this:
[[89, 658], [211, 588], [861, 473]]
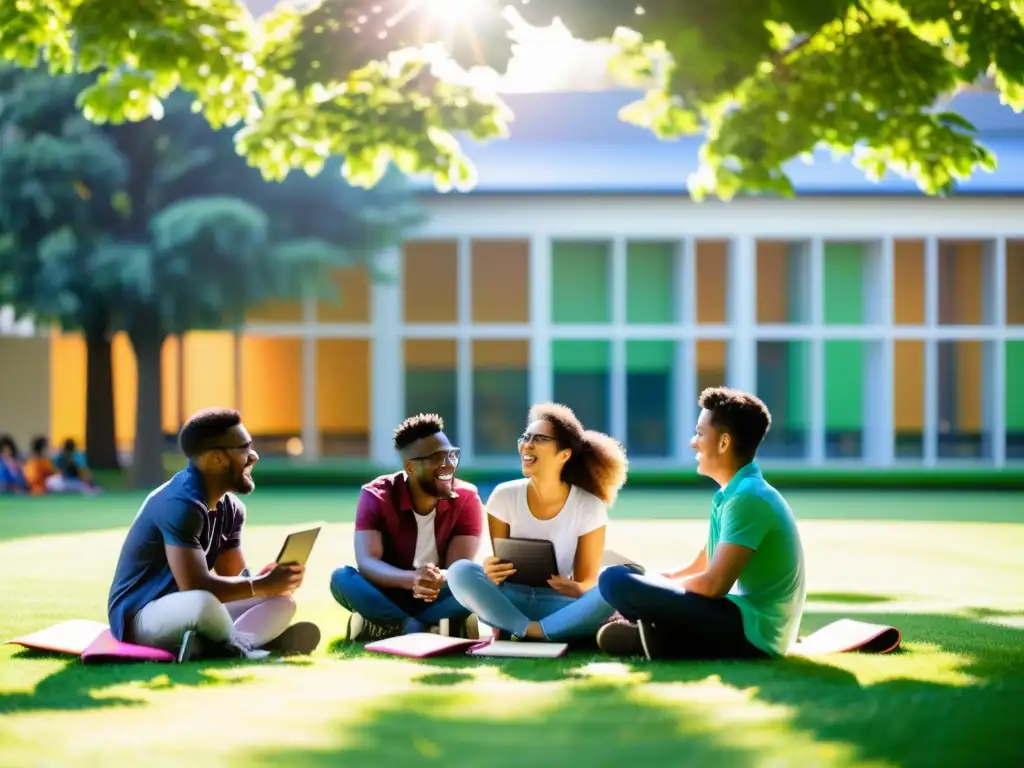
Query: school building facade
[[882, 327]]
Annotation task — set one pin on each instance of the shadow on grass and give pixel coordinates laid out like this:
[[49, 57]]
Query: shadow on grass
[[847, 597], [592, 724], [77, 686], [950, 698]]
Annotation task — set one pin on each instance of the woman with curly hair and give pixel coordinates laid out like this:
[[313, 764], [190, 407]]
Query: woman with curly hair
[[571, 477]]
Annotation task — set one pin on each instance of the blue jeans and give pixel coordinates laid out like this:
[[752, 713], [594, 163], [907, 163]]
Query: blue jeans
[[354, 593], [511, 607]]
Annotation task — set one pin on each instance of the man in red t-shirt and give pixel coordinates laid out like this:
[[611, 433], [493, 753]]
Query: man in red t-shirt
[[410, 527]]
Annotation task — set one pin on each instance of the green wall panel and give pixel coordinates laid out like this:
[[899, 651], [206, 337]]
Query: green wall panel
[[650, 283], [580, 285], [844, 266], [1015, 386]]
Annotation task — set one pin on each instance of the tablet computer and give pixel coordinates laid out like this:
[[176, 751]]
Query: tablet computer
[[297, 546], [534, 560]]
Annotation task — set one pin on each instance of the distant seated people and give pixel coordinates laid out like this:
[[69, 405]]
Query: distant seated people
[[40, 472], [571, 478], [181, 581], [743, 596], [410, 527], [12, 474], [74, 475]]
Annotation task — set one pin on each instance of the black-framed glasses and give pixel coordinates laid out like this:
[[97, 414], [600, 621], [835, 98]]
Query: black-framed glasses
[[453, 455], [527, 439]]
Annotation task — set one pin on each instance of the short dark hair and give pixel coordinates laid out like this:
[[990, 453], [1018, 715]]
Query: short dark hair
[[740, 414], [40, 444], [416, 428], [204, 425]]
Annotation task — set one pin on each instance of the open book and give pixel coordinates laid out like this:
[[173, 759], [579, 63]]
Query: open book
[[847, 635]]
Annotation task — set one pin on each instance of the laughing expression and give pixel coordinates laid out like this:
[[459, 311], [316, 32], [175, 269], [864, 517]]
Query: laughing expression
[[538, 447], [432, 465]]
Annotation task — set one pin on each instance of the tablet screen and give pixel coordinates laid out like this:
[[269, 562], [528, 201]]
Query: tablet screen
[[297, 547]]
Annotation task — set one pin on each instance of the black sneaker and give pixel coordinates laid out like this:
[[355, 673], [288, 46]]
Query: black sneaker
[[621, 638], [467, 628], [365, 631], [300, 639], [653, 640]]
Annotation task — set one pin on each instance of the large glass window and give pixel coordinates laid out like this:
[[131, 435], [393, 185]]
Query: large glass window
[[343, 396], [962, 429], [712, 267], [783, 282], [783, 383], [649, 386], [501, 395], [1015, 400], [580, 282], [431, 381], [908, 399], [429, 282], [651, 277], [582, 380], [352, 304], [500, 272], [272, 392]]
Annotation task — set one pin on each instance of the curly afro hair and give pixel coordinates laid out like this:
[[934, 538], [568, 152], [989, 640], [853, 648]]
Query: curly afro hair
[[598, 463], [416, 428]]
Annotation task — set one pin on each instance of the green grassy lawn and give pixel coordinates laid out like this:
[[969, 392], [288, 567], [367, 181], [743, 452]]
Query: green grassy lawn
[[945, 568]]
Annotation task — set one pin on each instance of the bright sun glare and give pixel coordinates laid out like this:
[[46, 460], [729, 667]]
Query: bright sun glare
[[454, 11]]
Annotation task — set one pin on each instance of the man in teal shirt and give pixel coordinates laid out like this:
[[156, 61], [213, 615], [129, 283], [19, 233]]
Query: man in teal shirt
[[743, 596]]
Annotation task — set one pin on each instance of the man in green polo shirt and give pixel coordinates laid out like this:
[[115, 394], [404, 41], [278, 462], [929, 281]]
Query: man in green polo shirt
[[743, 596]]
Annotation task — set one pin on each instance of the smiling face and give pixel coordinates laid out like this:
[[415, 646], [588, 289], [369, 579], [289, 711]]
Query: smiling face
[[232, 461], [709, 444], [431, 465], [539, 451]]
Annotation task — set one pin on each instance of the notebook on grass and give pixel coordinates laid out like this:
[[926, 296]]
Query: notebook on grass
[[519, 650], [847, 635], [419, 645]]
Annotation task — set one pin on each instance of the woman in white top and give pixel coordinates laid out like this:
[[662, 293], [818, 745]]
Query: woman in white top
[[571, 477]]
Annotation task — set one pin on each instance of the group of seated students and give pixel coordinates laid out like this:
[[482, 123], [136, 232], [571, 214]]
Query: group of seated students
[[66, 472], [182, 581]]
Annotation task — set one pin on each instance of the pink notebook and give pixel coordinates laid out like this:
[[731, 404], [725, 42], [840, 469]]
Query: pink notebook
[[420, 645], [92, 641], [71, 637], [107, 650], [847, 635]]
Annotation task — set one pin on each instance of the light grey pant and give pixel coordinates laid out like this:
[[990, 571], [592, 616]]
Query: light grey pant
[[161, 623]]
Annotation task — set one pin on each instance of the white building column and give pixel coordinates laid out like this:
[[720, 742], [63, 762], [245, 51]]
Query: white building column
[[464, 347], [742, 306], [541, 385], [310, 429], [617, 396], [685, 401], [879, 363], [387, 361], [994, 355], [931, 352]]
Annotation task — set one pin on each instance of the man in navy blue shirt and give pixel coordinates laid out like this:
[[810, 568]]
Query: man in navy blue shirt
[[181, 581]]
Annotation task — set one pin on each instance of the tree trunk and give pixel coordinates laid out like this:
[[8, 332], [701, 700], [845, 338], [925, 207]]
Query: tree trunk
[[148, 465], [100, 433]]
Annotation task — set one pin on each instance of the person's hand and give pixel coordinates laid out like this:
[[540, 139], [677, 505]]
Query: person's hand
[[566, 587], [427, 582], [498, 570], [282, 579], [266, 569]]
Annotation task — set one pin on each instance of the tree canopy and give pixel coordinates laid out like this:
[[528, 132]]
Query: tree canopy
[[400, 81], [158, 228]]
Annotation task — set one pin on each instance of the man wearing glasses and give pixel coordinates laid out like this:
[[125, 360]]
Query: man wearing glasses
[[411, 526], [181, 581]]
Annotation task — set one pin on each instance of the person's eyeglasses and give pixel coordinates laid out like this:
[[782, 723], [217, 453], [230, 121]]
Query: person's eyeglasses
[[528, 439], [437, 459]]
